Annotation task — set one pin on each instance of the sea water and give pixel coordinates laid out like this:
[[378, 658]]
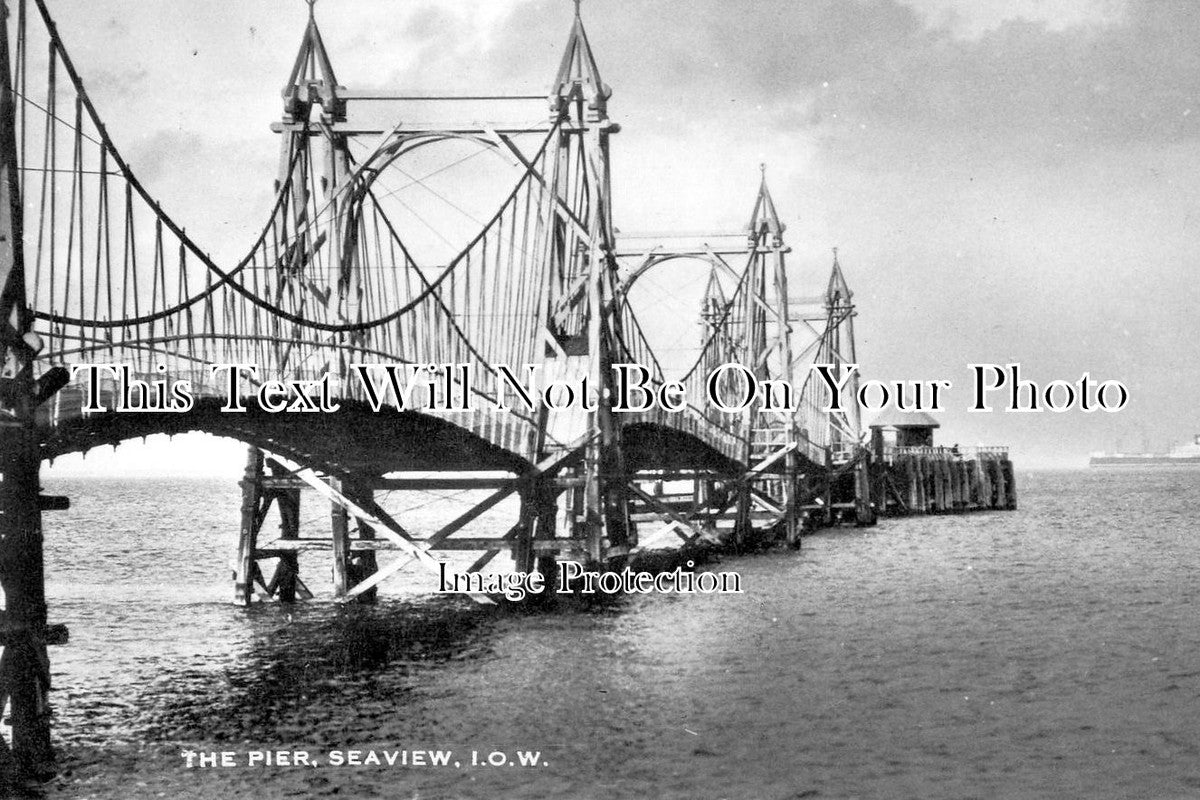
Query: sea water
[[1053, 651]]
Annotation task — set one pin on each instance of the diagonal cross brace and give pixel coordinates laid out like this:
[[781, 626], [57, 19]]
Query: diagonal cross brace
[[383, 524], [560, 206], [549, 464], [671, 514], [771, 459], [765, 501], [369, 512]]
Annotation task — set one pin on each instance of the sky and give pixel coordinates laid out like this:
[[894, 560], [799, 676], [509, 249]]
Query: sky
[[1007, 182]]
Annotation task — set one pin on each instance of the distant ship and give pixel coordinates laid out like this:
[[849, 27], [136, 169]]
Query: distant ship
[[1182, 455]]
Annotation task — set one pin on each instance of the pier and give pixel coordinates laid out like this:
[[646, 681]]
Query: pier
[[94, 271]]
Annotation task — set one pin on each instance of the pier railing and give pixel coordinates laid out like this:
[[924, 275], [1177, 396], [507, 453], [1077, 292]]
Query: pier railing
[[890, 452]]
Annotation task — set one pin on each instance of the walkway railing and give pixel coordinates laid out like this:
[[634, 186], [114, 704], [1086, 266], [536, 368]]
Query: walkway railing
[[952, 451]]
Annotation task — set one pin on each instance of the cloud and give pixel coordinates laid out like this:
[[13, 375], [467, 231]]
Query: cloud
[[189, 175], [971, 18], [1127, 83], [115, 85], [837, 65], [161, 152]]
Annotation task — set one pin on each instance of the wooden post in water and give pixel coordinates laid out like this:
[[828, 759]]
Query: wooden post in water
[[863, 513], [976, 484], [339, 521], [968, 478], [943, 478], [523, 553], [363, 563], [287, 572], [742, 526], [1010, 479], [969, 483], [939, 485], [351, 567], [922, 503], [960, 484], [952, 484], [878, 469], [931, 503], [828, 486], [246, 567], [1001, 489], [792, 524], [25, 665], [947, 484], [972, 483], [544, 529], [986, 489]]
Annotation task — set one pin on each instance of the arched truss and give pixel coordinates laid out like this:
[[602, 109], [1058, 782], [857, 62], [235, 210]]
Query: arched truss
[[657, 257]]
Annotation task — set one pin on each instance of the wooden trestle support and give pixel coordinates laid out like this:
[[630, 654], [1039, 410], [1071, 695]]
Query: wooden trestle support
[[274, 482], [943, 480], [24, 631]]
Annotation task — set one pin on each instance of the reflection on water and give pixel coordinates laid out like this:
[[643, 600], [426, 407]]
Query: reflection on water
[[292, 658], [1048, 651]]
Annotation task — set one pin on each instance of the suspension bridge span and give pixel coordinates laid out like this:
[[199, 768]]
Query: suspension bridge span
[[338, 284]]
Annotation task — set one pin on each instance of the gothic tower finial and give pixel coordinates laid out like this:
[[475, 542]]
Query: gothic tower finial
[[578, 75], [764, 218], [837, 293], [312, 79]]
